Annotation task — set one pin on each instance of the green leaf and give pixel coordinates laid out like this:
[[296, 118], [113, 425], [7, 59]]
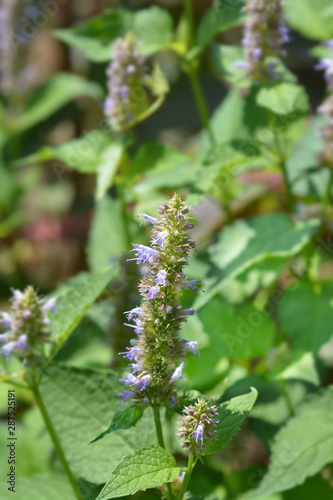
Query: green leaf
[[123, 419], [83, 154], [308, 331], [283, 98], [153, 27], [312, 18], [107, 167], [147, 468], [248, 242], [237, 332], [52, 96], [86, 407], [301, 368], [39, 487], [95, 37], [73, 305], [301, 448], [219, 18], [231, 414], [107, 238]]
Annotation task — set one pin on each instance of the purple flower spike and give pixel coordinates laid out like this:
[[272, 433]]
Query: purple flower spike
[[198, 434], [153, 292]]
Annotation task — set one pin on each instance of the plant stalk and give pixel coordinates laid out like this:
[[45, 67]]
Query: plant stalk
[[160, 439], [56, 442], [187, 477]]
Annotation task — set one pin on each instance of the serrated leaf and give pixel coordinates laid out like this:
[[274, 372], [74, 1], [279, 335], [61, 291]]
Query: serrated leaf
[[147, 468], [88, 401], [107, 167], [301, 448], [219, 18], [230, 414], [308, 331], [251, 241], [95, 37], [108, 237], [124, 419], [52, 96], [283, 98], [312, 18], [73, 305]]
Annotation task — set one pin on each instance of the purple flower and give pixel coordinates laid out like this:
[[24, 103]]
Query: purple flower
[[7, 348], [169, 309], [161, 277], [192, 284], [50, 305], [143, 381], [153, 292], [191, 346], [160, 238], [6, 319], [129, 379], [127, 395], [135, 367], [22, 342], [132, 352], [198, 434], [136, 311], [143, 253], [178, 373], [188, 312], [137, 327], [240, 64], [149, 220]]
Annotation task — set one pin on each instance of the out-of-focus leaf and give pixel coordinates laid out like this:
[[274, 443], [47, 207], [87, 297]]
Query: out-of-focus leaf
[[237, 332], [306, 315], [95, 37], [312, 18], [220, 17], [108, 237], [301, 448], [107, 168], [247, 242], [303, 367], [146, 468], [283, 98], [83, 154], [73, 305], [52, 96], [153, 27], [86, 407], [39, 487]]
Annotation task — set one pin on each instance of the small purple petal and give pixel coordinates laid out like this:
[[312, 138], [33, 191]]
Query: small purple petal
[[191, 346], [22, 342], [7, 348], [178, 373], [143, 382], [153, 292], [127, 395], [198, 434], [161, 277], [149, 220], [132, 352], [6, 319]]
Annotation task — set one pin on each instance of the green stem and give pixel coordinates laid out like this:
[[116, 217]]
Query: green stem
[[55, 440], [287, 398], [187, 477], [327, 197], [283, 165], [191, 68], [160, 439]]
